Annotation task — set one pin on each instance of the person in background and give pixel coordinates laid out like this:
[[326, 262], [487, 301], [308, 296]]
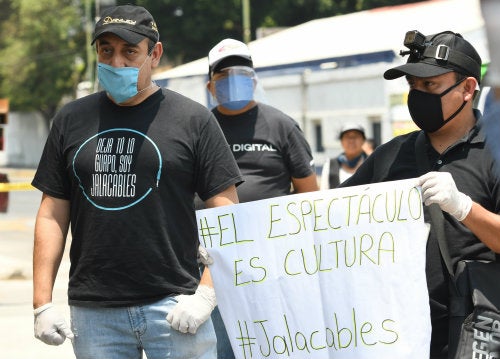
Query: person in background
[[121, 168], [269, 147], [443, 71], [491, 12], [337, 170]]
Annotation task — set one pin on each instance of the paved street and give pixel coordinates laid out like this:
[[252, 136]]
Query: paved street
[[16, 246]]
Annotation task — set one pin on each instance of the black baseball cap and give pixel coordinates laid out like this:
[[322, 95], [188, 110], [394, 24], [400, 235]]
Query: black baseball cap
[[442, 53], [131, 23]]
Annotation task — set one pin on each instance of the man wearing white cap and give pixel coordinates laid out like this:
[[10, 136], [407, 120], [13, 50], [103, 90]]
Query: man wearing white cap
[[269, 147]]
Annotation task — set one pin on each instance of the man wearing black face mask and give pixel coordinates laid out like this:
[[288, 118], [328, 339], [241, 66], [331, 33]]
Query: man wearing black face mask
[[443, 71]]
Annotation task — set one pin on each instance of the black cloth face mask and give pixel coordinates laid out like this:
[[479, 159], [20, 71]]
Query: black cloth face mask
[[426, 110]]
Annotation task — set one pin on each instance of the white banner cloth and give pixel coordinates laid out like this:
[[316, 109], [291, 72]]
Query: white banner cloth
[[328, 274]]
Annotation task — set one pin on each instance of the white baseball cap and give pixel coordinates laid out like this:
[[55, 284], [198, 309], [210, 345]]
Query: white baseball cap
[[349, 126], [227, 48]]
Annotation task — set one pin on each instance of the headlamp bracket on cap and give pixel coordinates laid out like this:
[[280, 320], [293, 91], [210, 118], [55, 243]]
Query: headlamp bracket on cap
[[442, 52], [420, 49], [415, 41]]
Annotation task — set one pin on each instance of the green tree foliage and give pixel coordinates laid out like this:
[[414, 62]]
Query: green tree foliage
[[38, 62], [5, 10], [41, 58], [189, 28]]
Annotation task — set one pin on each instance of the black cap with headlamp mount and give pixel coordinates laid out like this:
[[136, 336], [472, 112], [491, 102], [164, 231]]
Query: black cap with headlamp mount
[[437, 54]]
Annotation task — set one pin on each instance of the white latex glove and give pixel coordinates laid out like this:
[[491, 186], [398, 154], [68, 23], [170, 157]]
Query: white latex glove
[[204, 257], [50, 326], [440, 188], [193, 310]]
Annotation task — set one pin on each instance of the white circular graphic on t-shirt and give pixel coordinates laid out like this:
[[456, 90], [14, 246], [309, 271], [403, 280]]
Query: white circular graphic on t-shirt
[[117, 168]]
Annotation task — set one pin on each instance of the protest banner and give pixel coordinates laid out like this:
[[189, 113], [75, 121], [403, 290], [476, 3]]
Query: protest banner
[[329, 274]]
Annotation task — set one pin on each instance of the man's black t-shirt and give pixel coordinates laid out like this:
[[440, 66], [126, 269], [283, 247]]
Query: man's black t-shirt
[[130, 174], [269, 148]]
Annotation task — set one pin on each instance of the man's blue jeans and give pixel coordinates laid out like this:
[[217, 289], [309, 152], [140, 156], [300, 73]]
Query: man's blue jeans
[[224, 350], [125, 332]]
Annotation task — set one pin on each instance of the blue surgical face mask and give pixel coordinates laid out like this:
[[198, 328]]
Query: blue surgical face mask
[[235, 89], [119, 82]]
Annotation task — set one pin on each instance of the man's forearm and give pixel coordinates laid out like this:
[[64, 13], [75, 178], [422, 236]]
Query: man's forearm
[[51, 228], [206, 278], [47, 255]]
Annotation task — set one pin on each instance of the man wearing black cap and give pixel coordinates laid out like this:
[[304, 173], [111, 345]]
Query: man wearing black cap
[[270, 148], [121, 167], [443, 72]]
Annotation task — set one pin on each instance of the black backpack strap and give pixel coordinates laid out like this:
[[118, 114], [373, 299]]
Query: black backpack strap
[[437, 218], [333, 176]]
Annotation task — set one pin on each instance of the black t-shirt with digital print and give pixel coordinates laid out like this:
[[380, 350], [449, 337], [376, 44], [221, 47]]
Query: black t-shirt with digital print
[[130, 174], [269, 148]]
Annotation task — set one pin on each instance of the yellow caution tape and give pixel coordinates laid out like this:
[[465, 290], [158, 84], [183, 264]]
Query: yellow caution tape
[[16, 186]]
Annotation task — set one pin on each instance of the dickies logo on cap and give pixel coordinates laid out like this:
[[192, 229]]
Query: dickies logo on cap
[[129, 22]]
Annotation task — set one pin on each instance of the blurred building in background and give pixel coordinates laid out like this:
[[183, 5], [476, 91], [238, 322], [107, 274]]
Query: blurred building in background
[[329, 71], [323, 73]]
